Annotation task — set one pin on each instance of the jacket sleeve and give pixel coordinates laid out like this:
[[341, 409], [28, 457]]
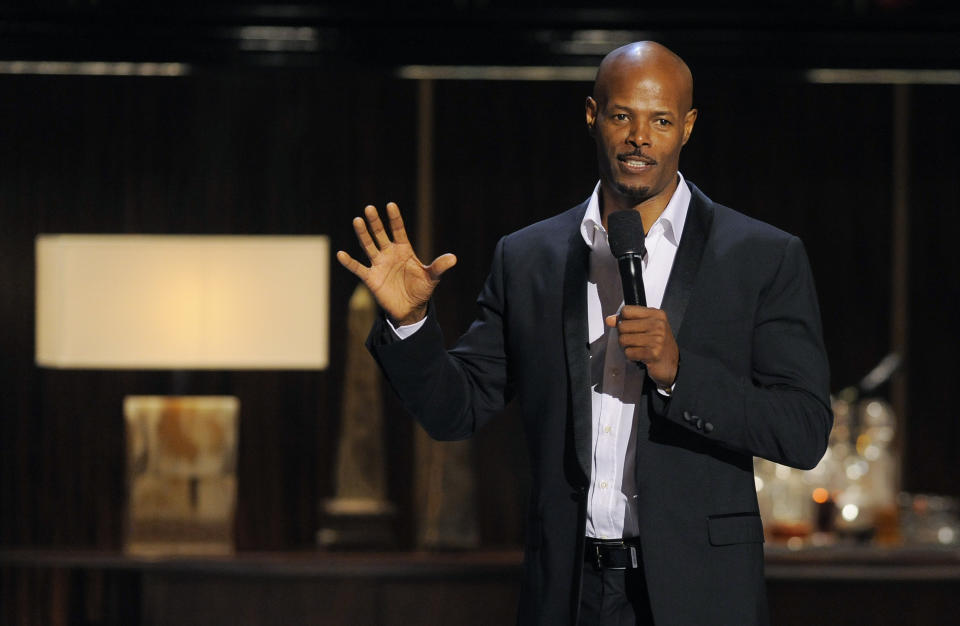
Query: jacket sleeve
[[450, 393], [782, 411]]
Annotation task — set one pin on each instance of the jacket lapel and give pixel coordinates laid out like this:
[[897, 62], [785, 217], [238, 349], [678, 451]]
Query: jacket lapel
[[576, 343], [687, 262]]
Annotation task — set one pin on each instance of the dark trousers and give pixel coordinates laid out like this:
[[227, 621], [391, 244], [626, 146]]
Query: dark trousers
[[614, 597]]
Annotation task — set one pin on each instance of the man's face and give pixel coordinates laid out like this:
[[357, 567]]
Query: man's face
[[640, 121]]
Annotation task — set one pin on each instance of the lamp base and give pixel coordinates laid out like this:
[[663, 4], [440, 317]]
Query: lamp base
[[356, 524], [181, 474]]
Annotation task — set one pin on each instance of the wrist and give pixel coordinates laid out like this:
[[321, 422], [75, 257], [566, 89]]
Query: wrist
[[666, 388], [411, 318]]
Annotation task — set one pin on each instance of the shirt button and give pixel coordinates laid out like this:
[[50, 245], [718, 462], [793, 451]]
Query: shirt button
[[603, 485], [606, 429]]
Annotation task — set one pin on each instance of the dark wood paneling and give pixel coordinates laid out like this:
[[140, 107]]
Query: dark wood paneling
[[241, 152], [933, 435], [508, 154], [814, 160], [303, 151]]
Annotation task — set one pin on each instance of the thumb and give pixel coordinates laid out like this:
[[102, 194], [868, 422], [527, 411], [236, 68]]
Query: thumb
[[610, 320], [440, 265]]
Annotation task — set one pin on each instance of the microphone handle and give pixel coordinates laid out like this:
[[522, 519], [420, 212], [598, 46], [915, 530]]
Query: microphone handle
[[632, 280]]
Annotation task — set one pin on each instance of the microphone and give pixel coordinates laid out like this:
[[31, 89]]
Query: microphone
[[626, 238]]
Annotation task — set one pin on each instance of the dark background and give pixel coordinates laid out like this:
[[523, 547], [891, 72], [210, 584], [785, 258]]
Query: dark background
[[297, 140]]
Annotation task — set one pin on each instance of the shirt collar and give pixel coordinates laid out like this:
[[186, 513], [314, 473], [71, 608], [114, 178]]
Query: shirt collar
[[672, 219]]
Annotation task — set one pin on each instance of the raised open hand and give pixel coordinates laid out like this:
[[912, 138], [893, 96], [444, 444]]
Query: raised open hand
[[398, 280]]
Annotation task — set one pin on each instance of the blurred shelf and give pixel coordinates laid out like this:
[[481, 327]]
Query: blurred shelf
[[835, 562], [896, 586], [863, 563], [306, 564]]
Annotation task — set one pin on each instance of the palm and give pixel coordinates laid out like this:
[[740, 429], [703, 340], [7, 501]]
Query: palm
[[398, 280]]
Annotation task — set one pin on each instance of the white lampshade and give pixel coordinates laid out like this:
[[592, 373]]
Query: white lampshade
[[182, 302]]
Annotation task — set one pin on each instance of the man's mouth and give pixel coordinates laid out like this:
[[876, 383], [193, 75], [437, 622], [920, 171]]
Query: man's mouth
[[636, 162]]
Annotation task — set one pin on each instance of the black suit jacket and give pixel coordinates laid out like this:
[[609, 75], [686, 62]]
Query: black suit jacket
[[753, 380]]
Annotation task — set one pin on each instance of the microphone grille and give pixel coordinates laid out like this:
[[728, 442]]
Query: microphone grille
[[625, 233]]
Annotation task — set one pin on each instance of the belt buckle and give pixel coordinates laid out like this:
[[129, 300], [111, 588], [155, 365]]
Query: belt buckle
[[599, 562], [618, 548], [608, 549]]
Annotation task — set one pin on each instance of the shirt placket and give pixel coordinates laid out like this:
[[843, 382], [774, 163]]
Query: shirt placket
[[609, 424]]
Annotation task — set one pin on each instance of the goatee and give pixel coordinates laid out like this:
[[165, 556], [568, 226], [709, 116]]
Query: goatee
[[636, 195]]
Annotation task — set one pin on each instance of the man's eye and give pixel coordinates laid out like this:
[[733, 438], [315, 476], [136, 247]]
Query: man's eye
[[620, 117], [662, 122]]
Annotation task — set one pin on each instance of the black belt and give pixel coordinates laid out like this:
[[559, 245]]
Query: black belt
[[612, 553]]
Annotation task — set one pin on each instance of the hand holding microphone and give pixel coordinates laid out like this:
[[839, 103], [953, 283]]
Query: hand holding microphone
[[645, 333]]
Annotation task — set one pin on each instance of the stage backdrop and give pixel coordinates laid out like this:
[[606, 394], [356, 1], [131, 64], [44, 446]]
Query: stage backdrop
[[301, 152]]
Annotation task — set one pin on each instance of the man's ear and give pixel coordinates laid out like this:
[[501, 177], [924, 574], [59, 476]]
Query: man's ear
[[688, 121], [590, 109]]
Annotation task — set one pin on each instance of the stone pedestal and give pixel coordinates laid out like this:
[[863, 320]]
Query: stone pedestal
[[359, 515]]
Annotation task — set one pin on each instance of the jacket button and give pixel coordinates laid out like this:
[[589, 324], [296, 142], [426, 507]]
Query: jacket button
[[708, 427], [699, 424], [686, 416]]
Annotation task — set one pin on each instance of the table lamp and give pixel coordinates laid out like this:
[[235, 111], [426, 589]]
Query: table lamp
[[159, 302]]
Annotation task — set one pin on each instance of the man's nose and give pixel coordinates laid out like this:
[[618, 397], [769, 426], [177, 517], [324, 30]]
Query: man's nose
[[637, 136]]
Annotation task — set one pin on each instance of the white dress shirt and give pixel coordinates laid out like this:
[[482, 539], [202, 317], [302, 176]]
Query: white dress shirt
[[615, 382]]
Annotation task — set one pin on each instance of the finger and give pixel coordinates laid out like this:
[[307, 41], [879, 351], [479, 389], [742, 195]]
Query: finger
[[636, 312], [646, 351], [363, 236], [396, 223], [638, 340], [358, 269], [643, 325], [611, 320], [376, 226], [641, 315], [641, 355], [440, 265]]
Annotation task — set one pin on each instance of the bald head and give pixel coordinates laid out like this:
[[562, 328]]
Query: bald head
[[644, 58]]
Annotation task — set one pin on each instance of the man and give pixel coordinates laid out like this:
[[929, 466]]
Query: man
[[643, 507]]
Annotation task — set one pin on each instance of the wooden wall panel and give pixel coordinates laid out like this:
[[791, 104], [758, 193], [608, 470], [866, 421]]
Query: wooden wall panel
[[933, 438], [811, 160], [284, 151], [234, 152]]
